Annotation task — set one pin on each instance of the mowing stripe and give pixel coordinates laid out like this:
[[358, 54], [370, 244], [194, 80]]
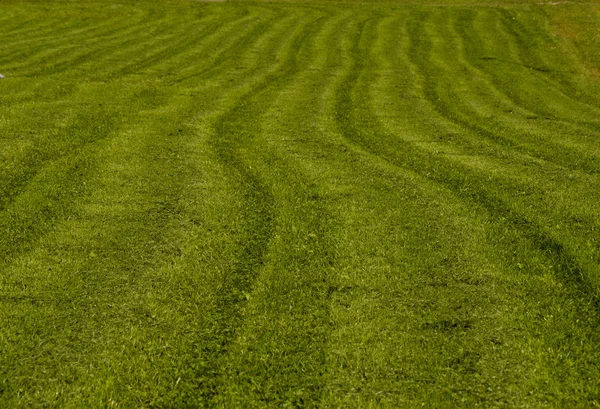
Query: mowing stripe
[[57, 43], [294, 286], [473, 188], [256, 204]]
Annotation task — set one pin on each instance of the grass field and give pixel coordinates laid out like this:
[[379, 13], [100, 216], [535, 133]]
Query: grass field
[[299, 204]]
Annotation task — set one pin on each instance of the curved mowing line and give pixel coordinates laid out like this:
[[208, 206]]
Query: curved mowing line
[[249, 55], [211, 46], [530, 56], [23, 27], [284, 371], [218, 39], [49, 146], [522, 129], [219, 29], [35, 164], [556, 82], [259, 215], [275, 38], [73, 56], [464, 182], [56, 25], [564, 156], [37, 209], [176, 43], [579, 58], [51, 53], [131, 244], [421, 47], [464, 26], [259, 202], [111, 41], [225, 51], [38, 34], [24, 214], [552, 152], [344, 100], [419, 53], [47, 150], [55, 38]]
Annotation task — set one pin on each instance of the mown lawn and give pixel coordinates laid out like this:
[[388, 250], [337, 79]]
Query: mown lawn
[[299, 204]]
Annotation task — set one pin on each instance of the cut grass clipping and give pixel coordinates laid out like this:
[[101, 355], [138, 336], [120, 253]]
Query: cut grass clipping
[[299, 204]]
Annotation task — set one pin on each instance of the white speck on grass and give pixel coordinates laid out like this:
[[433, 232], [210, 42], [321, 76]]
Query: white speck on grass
[[1, 76]]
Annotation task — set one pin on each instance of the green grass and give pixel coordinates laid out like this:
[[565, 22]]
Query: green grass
[[299, 204]]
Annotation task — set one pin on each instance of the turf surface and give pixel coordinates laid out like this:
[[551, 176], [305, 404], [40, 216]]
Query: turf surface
[[314, 204]]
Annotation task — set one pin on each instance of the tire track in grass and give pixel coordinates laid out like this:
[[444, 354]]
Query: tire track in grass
[[18, 24], [465, 182], [479, 52], [565, 263], [580, 293], [567, 101], [143, 251], [234, 135], [46, 150], [55, 141], [538, 187], [153, 30], [360, 375], [137, 252], [77, 181], [61, 134], [54, 130], [213, 46], [278, 357], [419, 52], [18, 186], [272, 35], [348, 357], [534, 126], [30, 279], [218, 330], [474, 101], [570, 270], [33, 200], [39, 146], [52, 20], [507, 182], [477, 99], [389, 293], [216, 51], [181, 37], [530, 38], [572, 27], [186, 42], [113, 265], [40, 33], [30, 153], [149, 246], [257, 205], [74, 55], [441, 99], [55, 43], [224, 53], [51, 89], [24, 28]]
